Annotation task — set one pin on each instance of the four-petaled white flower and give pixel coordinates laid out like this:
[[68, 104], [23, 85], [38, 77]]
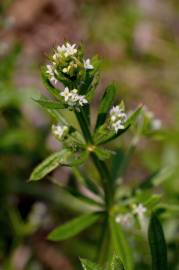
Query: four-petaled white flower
[[139, 210], [87, 64], [117, 118], [66, 94], [82, 100], [59, 131]]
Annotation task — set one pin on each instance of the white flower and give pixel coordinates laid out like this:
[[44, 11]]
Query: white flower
[[50, 71], [87, 64], [139, 210], [66, 94], [70, 49], [126, 220], [117, 118], [66, 50], [156, 124], [82, 100], [59, 131], [117, 112], [72, 98], [118, 125]]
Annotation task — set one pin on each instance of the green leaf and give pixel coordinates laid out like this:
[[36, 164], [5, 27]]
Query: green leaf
[[44, 102], [133, 116], [57, 117], [157, 244], [117, 161], [102, 153], [88, 265], [105, 104], [121, 245], [64, 157], [116, 263], [73, 227], [48, 165], [104, 135]]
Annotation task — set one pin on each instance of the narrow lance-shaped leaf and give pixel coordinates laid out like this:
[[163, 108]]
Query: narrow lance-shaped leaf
[[73, 227], [49, 104], [105, 104], [157, 244], [121, 245], [88, 265], [64, 157]]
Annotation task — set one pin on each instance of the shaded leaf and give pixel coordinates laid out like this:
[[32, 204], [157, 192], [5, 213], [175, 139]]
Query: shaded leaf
[[73, 227], [105, 104], [157, 244], [117, 161]]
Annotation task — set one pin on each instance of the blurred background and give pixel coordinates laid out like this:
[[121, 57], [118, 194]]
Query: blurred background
[[138, 41]]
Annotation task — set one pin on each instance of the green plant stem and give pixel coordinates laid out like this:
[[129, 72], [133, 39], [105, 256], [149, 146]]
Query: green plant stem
[[100, 165]]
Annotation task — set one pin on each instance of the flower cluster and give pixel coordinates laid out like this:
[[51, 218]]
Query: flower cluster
[[72, 98], [117, 118], [60, 131], [67, 62], [127, 220]]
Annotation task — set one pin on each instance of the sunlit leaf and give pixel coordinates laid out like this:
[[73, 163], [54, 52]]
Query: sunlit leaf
[[64, 157], [73, 227], [46, 103]]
